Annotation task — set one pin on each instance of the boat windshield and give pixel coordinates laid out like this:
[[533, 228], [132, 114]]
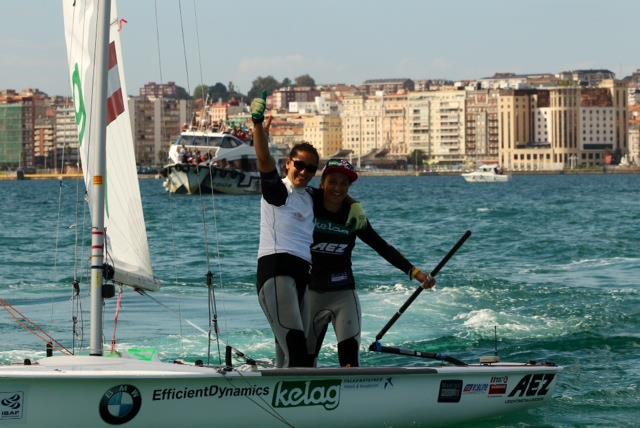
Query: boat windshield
[[226, 142]]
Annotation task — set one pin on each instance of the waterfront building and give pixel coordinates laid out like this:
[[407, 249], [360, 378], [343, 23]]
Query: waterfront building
[[634, 144], [44, 140], [362, 124], [324, 132], [66, 135], [481, 126], [33, 105], [436, 126], [394, 124], [10, 135], [156, 123], [566, 127]]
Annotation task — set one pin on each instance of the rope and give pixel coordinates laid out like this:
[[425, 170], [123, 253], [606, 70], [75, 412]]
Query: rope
[[115, 320], [32, 327]]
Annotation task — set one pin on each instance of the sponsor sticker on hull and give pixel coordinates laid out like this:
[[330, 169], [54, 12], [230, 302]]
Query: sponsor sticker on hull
[[498, 386], [11, 405], [531, 387], [325, 393], [450, 391], [120, 404]]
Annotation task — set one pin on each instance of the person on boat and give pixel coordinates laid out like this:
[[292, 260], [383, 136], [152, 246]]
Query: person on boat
[[286, 228], [332, 294]]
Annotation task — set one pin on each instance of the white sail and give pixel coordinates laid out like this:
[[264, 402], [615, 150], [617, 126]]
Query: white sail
[[127, 249]]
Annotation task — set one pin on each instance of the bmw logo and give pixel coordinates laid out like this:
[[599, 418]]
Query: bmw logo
[[120, 404]]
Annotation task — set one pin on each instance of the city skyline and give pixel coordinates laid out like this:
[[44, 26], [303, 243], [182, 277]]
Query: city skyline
[[334, 42]]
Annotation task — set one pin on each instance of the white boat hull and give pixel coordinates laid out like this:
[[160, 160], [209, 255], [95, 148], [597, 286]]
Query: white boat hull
[[473, 177], [96, 391], [192, 179]]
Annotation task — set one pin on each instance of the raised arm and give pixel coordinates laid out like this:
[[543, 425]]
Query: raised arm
[[266, 163]]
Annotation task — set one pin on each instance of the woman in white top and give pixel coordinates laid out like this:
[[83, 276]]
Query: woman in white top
[[286, 234]]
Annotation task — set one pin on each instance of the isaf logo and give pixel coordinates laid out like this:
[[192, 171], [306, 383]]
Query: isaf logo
[[11, 405], [120, 404]]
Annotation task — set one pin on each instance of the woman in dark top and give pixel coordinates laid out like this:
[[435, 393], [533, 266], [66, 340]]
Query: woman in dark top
[[332, 295]]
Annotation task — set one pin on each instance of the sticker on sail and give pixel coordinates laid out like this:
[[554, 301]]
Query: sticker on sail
[[120, 404], [532, 387], [450, 391], [325, 393], [11, 405]]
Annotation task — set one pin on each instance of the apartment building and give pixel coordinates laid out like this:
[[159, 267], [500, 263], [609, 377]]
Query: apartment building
[[33, 104], [281, 98], [11, 135], [324, 132], [362, 119], [66, 135], [436, 125], [156, 123], [481, 127], [44, 141]]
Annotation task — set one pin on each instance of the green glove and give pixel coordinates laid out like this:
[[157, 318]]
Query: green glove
[[258, 107], [357, 219]]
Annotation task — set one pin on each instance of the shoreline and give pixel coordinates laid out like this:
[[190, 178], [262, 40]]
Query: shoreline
[[381, 173]]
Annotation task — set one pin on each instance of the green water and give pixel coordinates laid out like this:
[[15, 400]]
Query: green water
[[553, 264]]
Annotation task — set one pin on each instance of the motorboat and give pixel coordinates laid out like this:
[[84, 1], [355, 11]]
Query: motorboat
[[486, 174], [204, 161]]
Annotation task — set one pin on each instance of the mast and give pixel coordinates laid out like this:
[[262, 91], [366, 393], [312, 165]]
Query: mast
[[99, 179]]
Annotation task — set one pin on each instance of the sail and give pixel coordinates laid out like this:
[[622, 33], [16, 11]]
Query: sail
[[127, 248]]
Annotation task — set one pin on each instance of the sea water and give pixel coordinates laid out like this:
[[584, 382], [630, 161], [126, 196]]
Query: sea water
[[551, 272]]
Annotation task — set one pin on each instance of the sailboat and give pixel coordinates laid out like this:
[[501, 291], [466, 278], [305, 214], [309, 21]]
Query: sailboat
[[95, 390]]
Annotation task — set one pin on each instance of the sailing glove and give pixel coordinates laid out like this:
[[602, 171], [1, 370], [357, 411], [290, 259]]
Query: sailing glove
[[258, 107], [357, 219]]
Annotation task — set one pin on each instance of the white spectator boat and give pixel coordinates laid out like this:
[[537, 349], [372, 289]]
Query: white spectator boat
[[486, 174]]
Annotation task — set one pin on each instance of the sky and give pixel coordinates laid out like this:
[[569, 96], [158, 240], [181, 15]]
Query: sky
[[334, 41]]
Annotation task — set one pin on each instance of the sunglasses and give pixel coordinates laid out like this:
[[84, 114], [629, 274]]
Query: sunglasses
[[300, 166]]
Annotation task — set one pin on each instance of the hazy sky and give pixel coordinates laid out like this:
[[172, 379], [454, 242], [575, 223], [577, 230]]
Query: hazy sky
[[335, 41]]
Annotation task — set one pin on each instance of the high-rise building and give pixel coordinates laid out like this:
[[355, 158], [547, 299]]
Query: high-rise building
[[33, 104], [156, 123]]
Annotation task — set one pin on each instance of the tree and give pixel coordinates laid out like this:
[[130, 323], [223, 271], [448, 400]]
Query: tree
[[416, 158], [286, 82], [182, 93], [200, 91], [261, 84], [218, 92], [305, 80]]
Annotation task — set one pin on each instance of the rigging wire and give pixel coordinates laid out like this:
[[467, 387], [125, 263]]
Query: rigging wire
[[204, 102], [172, 201], [184, 47]]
